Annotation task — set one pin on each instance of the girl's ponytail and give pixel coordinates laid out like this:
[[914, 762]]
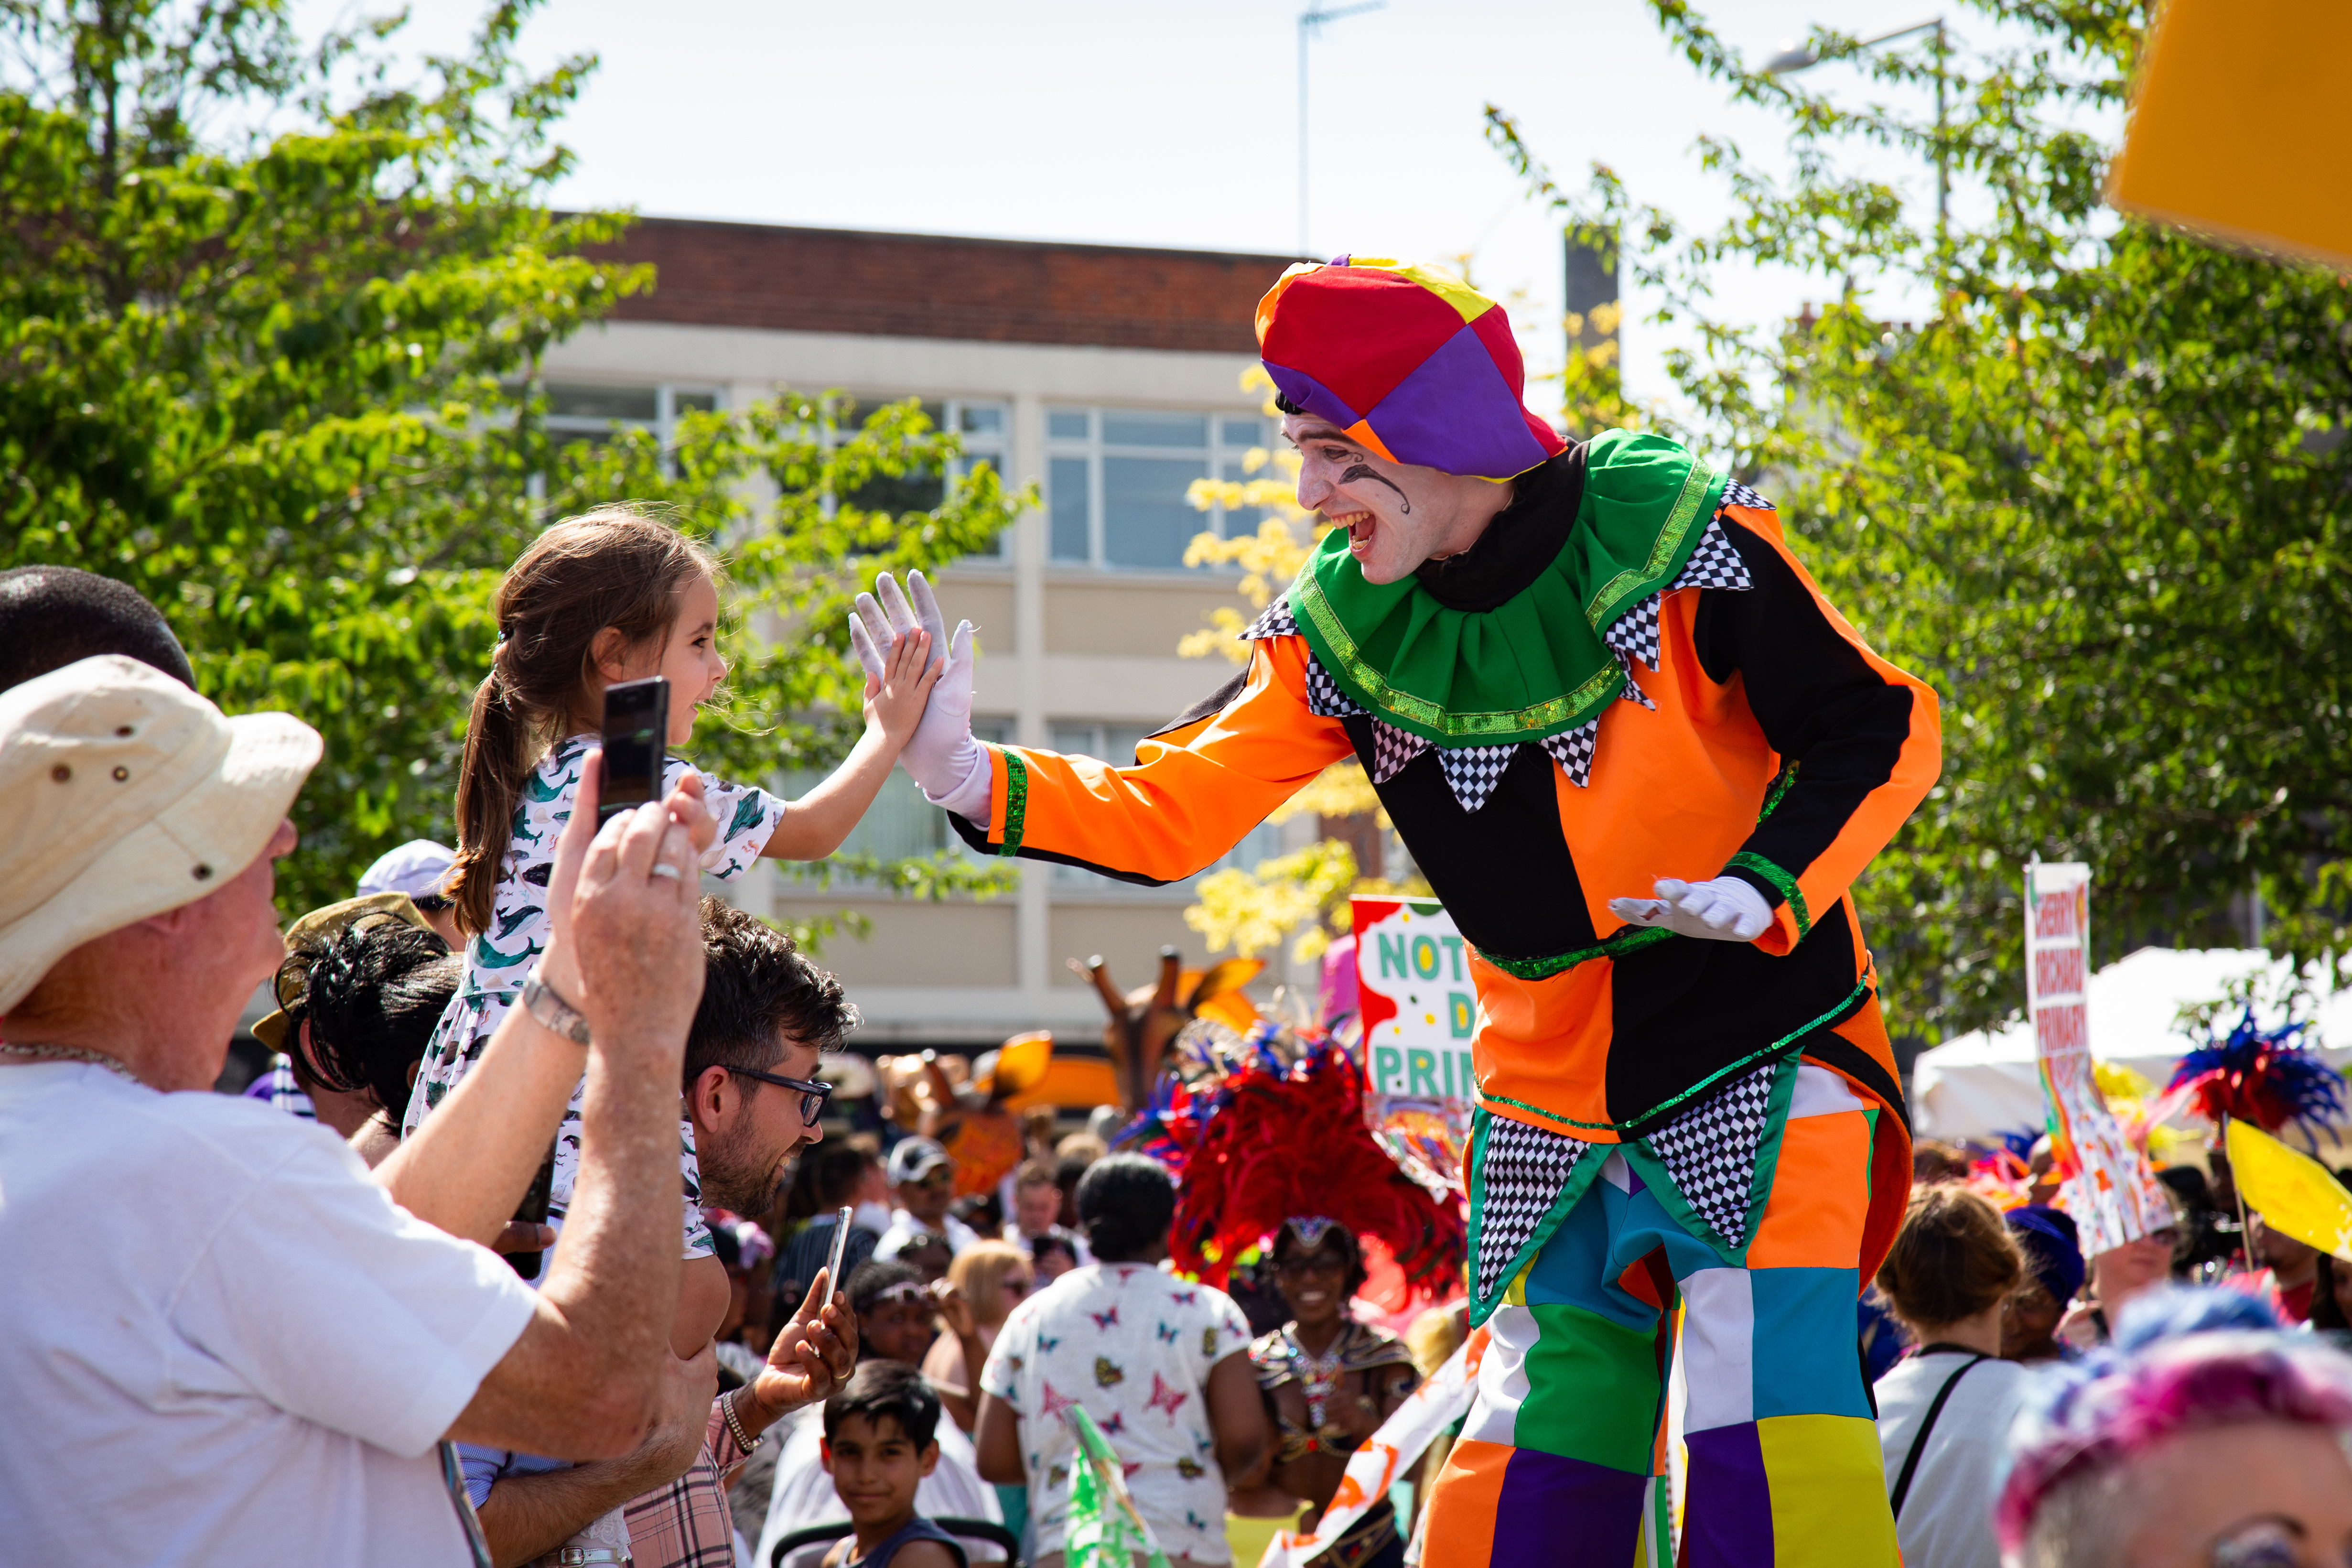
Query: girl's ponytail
[[500, 755], [614, 568]]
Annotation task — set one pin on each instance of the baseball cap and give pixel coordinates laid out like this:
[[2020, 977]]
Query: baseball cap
[[129, 795], [313, 934], [915, 1158], [416, 868]]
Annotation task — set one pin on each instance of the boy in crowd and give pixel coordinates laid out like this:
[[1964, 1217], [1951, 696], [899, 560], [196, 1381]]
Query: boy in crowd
[[878, 1445], [897, 1322]]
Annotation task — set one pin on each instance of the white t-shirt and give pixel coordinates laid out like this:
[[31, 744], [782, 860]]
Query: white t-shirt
[[1134, 1346], [220, 1342], [804, 1494], [1947, 1518]]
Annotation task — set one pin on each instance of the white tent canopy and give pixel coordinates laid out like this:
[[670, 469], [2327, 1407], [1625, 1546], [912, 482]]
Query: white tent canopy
[[1983, 1084]]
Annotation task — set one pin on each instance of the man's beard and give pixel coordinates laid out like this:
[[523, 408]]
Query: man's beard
[[738, 1174]]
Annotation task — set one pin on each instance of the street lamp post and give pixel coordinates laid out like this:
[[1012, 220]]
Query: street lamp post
[[1793, 58], [1314, 16]]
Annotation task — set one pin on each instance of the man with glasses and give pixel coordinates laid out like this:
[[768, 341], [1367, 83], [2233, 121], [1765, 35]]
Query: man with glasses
[[766, 1016]]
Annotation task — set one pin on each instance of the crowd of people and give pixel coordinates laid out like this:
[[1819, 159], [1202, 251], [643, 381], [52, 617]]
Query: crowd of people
[[521, 1250]]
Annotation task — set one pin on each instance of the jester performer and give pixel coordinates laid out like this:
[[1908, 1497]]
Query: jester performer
[[1573, 671]]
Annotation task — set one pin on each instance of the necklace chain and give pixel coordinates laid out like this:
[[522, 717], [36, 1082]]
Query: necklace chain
[[67, 1054]]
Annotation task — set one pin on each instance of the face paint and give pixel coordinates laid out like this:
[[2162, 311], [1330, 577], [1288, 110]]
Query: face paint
[[1363, 471]]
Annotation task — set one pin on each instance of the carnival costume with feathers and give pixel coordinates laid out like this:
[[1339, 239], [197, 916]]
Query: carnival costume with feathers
[[1233, 1122]]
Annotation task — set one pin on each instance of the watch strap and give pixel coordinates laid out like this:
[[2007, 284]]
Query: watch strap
[[551, 1010]]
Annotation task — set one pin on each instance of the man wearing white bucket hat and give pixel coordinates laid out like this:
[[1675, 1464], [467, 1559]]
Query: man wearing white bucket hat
[[220, 1342]]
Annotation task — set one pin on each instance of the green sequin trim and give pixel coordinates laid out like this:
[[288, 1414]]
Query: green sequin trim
[[1748, 860], [1016, 802], [1548, 717], [1636, 582], [1617, 945], [1862, 989], [1781, 786]]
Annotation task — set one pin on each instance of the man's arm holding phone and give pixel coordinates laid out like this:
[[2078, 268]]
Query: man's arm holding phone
[[581, 1381]]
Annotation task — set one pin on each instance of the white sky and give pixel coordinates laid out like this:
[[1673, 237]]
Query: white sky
[[1167, 124]]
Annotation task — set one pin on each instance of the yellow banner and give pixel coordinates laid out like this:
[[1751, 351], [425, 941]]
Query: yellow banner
[[2296, 1194]]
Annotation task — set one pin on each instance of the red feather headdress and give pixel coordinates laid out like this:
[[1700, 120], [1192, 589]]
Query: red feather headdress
[[1286, 1140]]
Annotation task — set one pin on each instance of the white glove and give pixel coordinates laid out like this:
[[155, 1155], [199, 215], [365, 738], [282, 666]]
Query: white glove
[[1724, 910], [942, 756]]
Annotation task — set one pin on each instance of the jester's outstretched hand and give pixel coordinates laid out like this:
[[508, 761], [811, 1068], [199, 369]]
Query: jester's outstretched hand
[[942, 757]]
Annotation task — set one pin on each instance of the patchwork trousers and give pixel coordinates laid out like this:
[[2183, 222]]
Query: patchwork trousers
[[1562, 1457]]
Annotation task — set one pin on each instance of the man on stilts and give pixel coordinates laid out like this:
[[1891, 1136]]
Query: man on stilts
[[1572, 671]]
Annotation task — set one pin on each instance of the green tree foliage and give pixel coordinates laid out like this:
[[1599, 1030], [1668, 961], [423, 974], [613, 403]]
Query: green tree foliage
[[2099, 497], [271, 324]]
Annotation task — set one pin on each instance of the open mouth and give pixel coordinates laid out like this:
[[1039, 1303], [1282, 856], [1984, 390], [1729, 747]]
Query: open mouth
[[1360, 526]]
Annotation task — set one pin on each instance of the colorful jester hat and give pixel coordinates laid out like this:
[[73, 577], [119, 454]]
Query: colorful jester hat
[[1280, 1140], [1405, 359]]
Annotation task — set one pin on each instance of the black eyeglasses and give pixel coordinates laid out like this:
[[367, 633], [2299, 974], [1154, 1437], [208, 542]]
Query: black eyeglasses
[[813, 1095]]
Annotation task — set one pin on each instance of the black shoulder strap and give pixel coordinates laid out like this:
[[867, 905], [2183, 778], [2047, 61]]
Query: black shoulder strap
[[1919, 1438]]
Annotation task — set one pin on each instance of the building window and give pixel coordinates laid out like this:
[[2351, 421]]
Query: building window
[[1117, 483], [578, 411], [1115, 744]]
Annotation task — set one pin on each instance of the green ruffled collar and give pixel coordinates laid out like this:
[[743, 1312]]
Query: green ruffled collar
[[1534, 666]]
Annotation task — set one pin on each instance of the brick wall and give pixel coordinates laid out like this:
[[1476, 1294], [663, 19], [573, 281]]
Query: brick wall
[[928, 286]]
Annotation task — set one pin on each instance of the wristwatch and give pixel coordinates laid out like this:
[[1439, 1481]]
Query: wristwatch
[[551, 1010]]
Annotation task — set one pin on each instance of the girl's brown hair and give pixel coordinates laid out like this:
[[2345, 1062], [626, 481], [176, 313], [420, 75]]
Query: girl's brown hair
[[1952, 1258], [614, 567]]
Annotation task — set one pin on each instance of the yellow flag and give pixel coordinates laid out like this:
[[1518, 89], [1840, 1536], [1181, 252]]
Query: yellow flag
[[2237, 125], [2296, 1194]]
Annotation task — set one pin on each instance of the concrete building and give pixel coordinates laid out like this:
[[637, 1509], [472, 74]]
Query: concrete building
[[1110, 378]]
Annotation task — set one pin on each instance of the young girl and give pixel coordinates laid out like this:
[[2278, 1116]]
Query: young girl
[[608, 596]]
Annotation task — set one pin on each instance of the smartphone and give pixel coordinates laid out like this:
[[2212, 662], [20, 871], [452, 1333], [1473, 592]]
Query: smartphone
[[636, 741], [840, 1246]]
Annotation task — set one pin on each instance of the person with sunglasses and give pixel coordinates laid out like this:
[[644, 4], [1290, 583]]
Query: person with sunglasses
[[922, 1178]]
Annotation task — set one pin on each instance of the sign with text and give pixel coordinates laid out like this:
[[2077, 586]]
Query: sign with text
[[2108, 1189], [1414, 994]]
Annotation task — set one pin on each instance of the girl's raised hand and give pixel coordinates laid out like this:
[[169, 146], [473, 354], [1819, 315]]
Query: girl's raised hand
[[894, 697]]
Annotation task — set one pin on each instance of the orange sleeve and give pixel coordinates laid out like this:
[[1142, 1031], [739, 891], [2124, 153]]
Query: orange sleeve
[[1862, 742], [1195, 790]]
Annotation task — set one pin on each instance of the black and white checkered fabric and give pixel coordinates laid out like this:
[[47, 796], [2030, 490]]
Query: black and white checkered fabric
[[1521, 1170], [1472, 772], [1710, 1151], [1714, 564], [1391, 749], [1573, 751], [1632, 690], [1275, 621], [1634, 633], [1324, 698], [1737, 494]]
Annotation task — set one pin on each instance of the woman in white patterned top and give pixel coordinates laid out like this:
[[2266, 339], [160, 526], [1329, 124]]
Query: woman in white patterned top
[[609, 596]]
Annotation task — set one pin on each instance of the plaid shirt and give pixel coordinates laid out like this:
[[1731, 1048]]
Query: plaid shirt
[[686, 1524]]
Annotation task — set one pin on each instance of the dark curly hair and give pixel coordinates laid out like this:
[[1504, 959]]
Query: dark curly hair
[[372, 997], [758, 992], [1125, 1204]]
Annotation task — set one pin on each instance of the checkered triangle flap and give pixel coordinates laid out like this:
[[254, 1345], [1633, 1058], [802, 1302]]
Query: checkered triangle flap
[[1472, 772], [1275, 621], [1710, 1151], [1521, 1170]]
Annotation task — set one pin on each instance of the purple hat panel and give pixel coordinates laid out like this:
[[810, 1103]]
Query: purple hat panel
[[1457, 414]]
